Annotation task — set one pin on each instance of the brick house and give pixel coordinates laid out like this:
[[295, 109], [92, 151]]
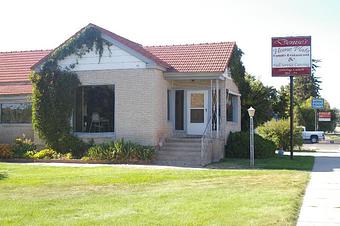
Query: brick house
[[177, 97]]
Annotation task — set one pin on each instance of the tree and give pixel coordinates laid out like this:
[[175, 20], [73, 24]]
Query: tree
[[281, 104], [307, 86], [261, 98], [253, 92], [238, 72]]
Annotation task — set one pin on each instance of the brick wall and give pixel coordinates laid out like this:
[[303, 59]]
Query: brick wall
[[140, 102]]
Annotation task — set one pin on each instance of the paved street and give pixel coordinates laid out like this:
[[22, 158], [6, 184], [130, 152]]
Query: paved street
[[321, 205], [322, 147]]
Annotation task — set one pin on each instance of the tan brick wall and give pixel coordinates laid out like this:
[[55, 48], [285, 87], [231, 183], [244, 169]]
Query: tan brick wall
[[140, 102], [8, 132]]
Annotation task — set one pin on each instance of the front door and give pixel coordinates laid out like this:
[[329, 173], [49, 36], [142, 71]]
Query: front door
[[197, 111]]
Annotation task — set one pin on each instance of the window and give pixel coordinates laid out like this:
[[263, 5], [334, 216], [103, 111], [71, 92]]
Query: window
[[231, 107], [168, 105], [16, 113], [95, 109], [179, 110]]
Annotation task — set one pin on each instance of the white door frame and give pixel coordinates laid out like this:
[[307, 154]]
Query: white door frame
[[197, 128]]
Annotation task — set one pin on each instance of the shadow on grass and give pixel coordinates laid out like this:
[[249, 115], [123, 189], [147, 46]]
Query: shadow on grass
[[3, 175], [302, 163]]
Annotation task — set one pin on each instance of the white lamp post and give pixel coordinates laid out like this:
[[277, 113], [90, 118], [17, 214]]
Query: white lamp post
[[251, 112]]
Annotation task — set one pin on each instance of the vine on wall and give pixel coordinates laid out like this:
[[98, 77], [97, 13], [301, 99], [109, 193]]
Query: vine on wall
[[54, 88]]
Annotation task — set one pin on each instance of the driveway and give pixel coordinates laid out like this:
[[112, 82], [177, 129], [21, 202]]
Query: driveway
[[321, 204]]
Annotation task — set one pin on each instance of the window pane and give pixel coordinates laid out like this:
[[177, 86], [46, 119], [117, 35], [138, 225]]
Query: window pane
[[16, 113], [197, 100], [95, 107], [168, 105], [230, 106], [197, 115], [179, 109]]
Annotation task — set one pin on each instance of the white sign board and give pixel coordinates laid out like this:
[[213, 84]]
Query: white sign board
[[291, 56]]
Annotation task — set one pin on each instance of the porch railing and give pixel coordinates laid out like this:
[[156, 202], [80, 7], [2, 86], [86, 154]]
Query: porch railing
[[205, 141]]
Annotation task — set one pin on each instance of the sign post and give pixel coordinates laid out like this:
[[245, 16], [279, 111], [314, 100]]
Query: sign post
[[291, 56], [317, 103]]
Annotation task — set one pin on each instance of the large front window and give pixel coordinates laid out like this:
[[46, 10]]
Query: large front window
[[16, 113], [95, 109]]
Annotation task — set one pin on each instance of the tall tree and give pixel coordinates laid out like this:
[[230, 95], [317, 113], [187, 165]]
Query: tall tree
[[238, 73], [253, 92], [281, 104], [261, 98], [307, 86]]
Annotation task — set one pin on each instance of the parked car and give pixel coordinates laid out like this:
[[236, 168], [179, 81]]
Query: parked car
[[313, 136]]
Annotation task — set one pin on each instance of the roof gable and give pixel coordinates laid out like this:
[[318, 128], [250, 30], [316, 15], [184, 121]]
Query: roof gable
[[131, 47]]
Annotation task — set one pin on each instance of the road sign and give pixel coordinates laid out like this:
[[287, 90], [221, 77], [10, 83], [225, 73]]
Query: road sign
[[325, 116], [317, 103]]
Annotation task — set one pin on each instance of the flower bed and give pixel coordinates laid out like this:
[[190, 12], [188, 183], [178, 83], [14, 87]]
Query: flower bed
[[115, 152]]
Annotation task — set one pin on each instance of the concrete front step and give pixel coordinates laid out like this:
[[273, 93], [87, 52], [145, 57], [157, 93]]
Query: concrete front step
[[181, 149], [183, 144], [183, 140], [179, 154]]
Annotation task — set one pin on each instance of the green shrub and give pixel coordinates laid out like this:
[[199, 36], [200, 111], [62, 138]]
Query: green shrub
[[67, 156], [6, 151], [238, 146], [30, 154], [47, 154], [75, 146], [279, 133], [120, 151], [145, 153], [22, 145], [101, 152]]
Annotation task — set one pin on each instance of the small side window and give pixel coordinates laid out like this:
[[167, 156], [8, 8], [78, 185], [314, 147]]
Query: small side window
[[231, 108], [168, 104]]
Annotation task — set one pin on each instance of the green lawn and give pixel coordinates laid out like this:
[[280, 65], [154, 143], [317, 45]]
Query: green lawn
[[113, 195]]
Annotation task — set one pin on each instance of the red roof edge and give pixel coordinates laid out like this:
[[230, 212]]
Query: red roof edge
[[231, 55]]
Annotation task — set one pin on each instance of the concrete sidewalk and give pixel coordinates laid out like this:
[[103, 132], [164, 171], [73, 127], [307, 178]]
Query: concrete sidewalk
[[321, 204]]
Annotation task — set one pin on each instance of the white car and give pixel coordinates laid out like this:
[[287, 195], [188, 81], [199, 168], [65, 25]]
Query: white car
[[313, 136]]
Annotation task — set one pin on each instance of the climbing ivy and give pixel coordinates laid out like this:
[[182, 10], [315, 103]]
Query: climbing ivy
[[54, 88]]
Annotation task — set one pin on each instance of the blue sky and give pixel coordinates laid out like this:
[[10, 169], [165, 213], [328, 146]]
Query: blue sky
[[37, 24]]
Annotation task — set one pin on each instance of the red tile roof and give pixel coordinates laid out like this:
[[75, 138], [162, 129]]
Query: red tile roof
[[15, 68], [15, 89], [206, 57]]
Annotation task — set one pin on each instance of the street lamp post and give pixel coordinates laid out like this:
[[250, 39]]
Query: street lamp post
[[251, 112]]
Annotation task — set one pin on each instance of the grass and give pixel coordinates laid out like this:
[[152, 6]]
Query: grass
[[113, 195], [282, 163]]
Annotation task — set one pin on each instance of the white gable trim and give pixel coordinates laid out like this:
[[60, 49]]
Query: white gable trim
[[149, 62], [113, 58]]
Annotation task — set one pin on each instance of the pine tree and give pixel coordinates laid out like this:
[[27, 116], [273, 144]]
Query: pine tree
[[307, 86]]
